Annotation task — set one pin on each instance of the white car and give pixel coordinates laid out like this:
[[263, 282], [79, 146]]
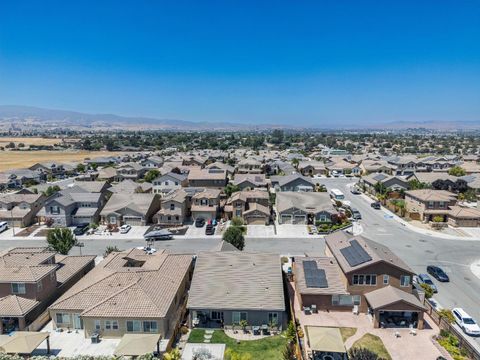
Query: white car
[[466, 323], [125, 229]]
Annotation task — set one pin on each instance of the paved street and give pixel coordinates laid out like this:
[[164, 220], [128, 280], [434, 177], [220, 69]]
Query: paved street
[[418, 251]]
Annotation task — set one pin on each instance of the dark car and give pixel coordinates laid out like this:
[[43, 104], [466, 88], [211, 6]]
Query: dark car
[[199, 222], [356, 214], [437, 273], [209, 229], [81, 228], [376, 205]]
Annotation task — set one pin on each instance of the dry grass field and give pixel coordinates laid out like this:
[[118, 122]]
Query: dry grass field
[[29, 141], [22, 159]]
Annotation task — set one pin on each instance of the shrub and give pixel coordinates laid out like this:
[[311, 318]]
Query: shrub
[[61, 240], [234, 236]]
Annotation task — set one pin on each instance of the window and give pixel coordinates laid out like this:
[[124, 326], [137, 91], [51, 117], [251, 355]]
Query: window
[[430, 204], [273, 318], [133, 326], [345, 300], [62, 318], [108, 325], [356, 299], [405, 280], [150, 326], [386, 279], [237, 316], [39, 286], [113, 220], [97, 324], [55, 210], [18, 288], [114, 324], [172, 206], [217, 315], [441, 204], [370, 279], [323, 218]]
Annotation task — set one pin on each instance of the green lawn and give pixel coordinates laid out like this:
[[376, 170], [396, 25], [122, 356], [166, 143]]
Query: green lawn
[[347, 332], [373, 343], [269, 348]]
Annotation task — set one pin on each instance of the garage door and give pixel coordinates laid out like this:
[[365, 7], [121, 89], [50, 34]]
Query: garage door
[[286, 219], [256, 221], [300, 219], [133, 221]]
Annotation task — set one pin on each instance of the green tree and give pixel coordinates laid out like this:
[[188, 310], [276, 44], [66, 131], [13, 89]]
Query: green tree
[[447, 315], [234, 236], [151, 175], [81, 168], [236, 221], [230, 189], [60, 240], [456, 171], [173, 355], [51, 190], [428, 290], [291, 332], [288, 352], [295, 162], [110, 249]]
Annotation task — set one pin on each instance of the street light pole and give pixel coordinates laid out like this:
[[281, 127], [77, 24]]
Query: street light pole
[[13, 222]]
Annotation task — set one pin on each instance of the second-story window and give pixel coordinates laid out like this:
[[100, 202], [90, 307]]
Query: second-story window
[[404, 280], [18, 288], [172, 206]]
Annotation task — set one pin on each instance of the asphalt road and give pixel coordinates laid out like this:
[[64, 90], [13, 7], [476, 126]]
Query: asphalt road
[[455, 256]]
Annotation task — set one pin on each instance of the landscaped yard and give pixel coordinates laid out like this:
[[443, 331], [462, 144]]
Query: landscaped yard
[[269, 348], [347, 332], [374, 344]]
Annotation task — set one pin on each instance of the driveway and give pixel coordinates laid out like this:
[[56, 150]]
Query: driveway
[[254, 231], [292, 231]]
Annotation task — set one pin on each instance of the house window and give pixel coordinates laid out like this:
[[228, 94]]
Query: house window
[[62, 318], [386, 279], [430, 204], [114, 324], [18, 288], [134, 325], [150, 326], [54, 210], [370, 279], [441, 204], [97, 325], [172, 206], [323, 218], [273, 318], [108, 325], [113, 219], [217, 315], [345, 300], [39, 286], [405, 280], [237, 316]]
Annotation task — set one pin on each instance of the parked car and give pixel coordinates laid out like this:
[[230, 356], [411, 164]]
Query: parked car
[[199, 222], [80, 229], [209, 229], [3, 226], [355, 191], [356, 214], [438, 273], [376, 205], [125, 229], [425, 279], [466, 322]]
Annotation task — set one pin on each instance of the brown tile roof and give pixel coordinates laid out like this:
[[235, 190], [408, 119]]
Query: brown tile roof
[[332, 273], [431, 195], [71, 265], [379, 253], [390, 295], [461, 212], [14, 306], [113, 289]]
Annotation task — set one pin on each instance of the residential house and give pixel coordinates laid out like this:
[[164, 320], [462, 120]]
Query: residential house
[[391, 182], [206, 204], [132, 209], [73, 206], [230, 170], [294, 182], [311, 168], [362, 274], [426, 204], [252, 206], [173, 209], [250, 181], [30, 280], [130, 171], [341, 166], [304, 208], [131, 187], [20, 209], [129, 292], [107, 174], [376, 166], [210, 178], [15, 179], [251, 289], [169, 182], [250, 166], [153, 162], [460, 216]]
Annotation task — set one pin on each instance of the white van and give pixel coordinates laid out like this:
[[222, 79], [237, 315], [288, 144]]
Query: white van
[[3, 226], [337, 194]]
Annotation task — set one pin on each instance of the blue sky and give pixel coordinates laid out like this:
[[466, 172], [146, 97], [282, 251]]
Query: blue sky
[[285, 62]]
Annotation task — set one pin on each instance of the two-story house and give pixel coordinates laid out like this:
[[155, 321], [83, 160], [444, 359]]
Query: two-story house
[[206, 204], [130, 171], [31, 279], [250, 181], [293, 182], [169, 182], [173, 209], [360, 275], [209, 178], [132, 209], [20, 209], [250, 166], [252, 206], [426, 204]]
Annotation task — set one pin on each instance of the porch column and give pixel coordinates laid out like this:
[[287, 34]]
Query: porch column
[[376, 319], [420, 320]]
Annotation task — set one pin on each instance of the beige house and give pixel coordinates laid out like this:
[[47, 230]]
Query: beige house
[[210, 178], [129, 292], [132, 209], [206, 204], [253, 206], [173, 210], [20, 209], [426, 204]]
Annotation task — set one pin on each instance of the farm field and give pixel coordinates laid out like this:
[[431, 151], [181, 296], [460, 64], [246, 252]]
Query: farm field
[[29, 141], [22, 159]]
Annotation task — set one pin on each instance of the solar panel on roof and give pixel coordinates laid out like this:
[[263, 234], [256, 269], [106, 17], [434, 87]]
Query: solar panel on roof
[[355, 254], [314, 277]]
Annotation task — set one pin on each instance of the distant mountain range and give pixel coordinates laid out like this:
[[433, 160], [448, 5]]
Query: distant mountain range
[[24, 117]]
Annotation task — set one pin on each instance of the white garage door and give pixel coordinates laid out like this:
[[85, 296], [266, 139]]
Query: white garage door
[[286, 219], [133, 221], [300, 219]]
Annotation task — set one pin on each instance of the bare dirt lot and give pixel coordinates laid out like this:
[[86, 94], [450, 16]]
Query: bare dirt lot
[[29, 141], [23, 159]]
